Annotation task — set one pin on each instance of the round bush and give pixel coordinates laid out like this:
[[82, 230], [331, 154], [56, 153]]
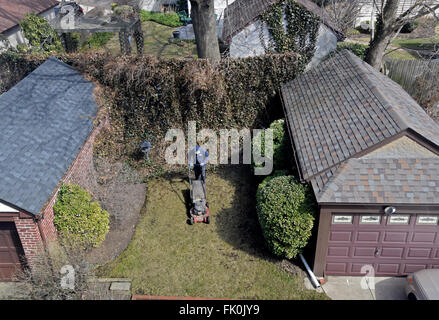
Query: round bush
[[358, 49], [286, 214], [78, 219]]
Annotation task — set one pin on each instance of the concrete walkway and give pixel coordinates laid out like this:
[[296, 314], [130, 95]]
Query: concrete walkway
[[357, 288], [12, 291]]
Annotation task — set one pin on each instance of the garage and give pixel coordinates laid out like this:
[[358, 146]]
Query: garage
[[371, 156], [392, 245], [11, 251]]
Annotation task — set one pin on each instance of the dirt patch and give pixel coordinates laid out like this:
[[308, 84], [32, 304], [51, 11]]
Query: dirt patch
[[120, 191]]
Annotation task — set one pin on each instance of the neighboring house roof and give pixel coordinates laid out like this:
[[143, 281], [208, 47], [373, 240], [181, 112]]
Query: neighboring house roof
[[45, 120], [403, 181], [344, 107], [13, 11], [242, 13]]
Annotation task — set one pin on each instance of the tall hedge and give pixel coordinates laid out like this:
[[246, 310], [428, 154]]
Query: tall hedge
[[146, 95], [281, 148], [78, 219], [285, 211]]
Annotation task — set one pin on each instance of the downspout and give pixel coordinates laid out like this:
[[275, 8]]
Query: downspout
[[314, 281]]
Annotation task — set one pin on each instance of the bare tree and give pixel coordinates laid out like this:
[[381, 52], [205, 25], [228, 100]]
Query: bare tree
[[390, 23], [203, 19], [343, 12]]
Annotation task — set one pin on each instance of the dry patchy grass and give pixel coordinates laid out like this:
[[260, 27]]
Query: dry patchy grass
[[157, 43], [226, 259]]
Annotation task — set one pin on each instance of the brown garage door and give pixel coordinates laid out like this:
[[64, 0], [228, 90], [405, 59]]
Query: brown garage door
[[10, 251], [393, 245]]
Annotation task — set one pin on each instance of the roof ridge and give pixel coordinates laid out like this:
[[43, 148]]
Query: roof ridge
[[364, 66], [378, 92]]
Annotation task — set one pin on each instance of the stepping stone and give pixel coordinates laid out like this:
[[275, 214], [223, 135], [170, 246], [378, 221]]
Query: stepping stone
[[120, 286]]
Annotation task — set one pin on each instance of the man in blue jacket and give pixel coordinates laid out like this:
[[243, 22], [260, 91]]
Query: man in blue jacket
[[197, 159]]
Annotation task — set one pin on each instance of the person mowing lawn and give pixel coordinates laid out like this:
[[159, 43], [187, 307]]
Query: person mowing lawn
[[197, 158]]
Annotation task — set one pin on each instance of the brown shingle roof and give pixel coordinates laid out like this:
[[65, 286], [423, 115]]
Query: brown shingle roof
[[242, 13], [13, 11], [343, 107], [404, 181]]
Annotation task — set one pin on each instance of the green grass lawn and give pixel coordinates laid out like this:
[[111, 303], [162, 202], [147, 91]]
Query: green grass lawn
[[225, 259], [170, 19], [401, 54], [157, 43], [418, 43]]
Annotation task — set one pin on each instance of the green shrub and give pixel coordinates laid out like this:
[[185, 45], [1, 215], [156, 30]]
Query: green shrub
[[357, 48], [409, 27], [98, 40], [41, 37], [353, 32], [285, 211], [280, 145], [78, 219], [169, 19]]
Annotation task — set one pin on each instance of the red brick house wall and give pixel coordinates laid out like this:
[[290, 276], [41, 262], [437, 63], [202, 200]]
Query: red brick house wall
[[35, 231]]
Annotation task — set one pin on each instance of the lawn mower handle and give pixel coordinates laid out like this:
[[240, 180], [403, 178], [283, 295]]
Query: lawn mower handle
[[189, 174]]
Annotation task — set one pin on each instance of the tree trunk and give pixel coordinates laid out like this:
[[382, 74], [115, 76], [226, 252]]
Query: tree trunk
[[386, 28], [203, 19]]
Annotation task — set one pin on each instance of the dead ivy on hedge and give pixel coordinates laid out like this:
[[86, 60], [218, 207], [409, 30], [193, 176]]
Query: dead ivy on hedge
[[147, 96]]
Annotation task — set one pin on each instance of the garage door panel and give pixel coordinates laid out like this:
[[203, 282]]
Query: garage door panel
[[338, 252], [409, 267], [392, 253], [364, 252], [419, 253], [395, 237], [424, 237], [6, 255], [368, 236], [357, 266], [336, 267], [387, 268], [341, 236]]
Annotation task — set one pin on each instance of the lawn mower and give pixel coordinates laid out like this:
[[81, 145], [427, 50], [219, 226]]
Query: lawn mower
[[199, 207]]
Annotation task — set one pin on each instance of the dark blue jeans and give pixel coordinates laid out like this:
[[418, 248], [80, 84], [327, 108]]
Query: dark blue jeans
[[200, 172]]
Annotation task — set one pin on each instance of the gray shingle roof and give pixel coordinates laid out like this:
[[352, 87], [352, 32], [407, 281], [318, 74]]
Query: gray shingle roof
[[343, 107], [404, 181], [242, 13], [45, 120]]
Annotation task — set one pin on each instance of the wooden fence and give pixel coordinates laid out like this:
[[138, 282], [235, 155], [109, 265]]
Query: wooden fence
[[408, 73]]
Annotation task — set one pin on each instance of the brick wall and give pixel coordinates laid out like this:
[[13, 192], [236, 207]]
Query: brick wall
[[29, 236], [78, 173]]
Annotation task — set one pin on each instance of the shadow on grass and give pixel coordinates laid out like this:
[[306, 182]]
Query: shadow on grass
[[238, 225]]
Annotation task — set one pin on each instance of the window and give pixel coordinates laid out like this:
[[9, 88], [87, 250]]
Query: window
[[399, 219], [341, 219], [427, 220], [373, 219]]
